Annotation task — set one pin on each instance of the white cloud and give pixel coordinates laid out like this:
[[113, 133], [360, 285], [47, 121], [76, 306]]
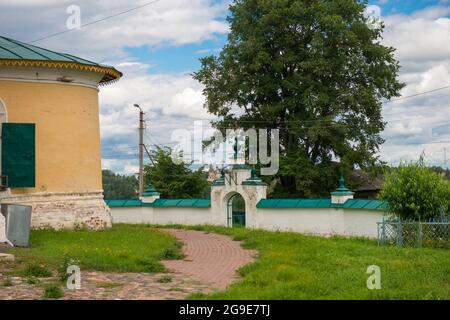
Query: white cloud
[[423, 49], [166, 22]]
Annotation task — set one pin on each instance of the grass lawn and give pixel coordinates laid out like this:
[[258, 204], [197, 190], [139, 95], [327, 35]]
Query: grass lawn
[[290, 265], [124, 248], [294, 266]]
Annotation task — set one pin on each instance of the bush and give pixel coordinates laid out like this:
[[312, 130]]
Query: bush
[[415, 192]]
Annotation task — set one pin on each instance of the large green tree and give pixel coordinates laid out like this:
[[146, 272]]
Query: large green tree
[[315, 70], [175, 180]]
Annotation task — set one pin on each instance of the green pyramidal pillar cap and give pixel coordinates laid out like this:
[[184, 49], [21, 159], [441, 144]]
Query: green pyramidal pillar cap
[[342, 193], [150, 194], [221, 181], [254, 180], [150, 191]]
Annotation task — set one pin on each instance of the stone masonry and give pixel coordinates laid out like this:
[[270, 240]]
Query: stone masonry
[[64, 210]]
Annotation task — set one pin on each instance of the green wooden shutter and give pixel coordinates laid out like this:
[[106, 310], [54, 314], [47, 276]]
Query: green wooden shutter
[[18, 154]]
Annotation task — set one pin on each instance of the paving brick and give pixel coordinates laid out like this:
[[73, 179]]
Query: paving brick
[[210, 257]]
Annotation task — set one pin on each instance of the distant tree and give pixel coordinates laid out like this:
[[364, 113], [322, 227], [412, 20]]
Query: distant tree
[[116, 186], [314, 69], [444, 172], [415, 192], [175, 180]]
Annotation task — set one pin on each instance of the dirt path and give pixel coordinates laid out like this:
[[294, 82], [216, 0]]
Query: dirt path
[[210, 258]]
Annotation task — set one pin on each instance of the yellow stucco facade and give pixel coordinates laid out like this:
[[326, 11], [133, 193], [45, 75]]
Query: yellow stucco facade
[[67, 133]]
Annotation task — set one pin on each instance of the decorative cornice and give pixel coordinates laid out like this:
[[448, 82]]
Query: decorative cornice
[[110, 74]]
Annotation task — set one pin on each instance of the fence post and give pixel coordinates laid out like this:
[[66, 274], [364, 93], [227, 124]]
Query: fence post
[[381, 232], [420, 235], [399, 233]]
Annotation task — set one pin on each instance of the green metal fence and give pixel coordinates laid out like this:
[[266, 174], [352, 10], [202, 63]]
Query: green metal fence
[[415, 233]]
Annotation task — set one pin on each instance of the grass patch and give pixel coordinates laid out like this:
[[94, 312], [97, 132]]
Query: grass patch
[[53, 291], [7, 283], [124, 248], [32, 280], [108, 285], [164, 279], [176, 289], [295, 266], [36, 270]]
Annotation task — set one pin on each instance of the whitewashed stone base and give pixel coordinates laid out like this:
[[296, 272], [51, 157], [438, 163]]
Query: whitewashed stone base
[[2, 229], [64, 210]]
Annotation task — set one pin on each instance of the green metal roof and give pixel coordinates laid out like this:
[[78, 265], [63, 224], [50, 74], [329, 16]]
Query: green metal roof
[[367, 204], [192, 203], [16, 53]]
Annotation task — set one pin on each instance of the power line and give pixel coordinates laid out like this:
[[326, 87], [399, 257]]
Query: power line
[[417, 94], [94, 22]]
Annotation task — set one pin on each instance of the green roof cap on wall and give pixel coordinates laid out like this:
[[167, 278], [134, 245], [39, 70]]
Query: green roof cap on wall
[[150, 191], [221, 181], [342, 189], [254, 180], [16, 53]]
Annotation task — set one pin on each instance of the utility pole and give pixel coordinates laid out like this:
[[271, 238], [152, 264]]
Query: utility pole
[[445, 158], [141, 149]]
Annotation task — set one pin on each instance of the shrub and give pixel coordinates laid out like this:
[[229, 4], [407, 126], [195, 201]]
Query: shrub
[[415, 192]]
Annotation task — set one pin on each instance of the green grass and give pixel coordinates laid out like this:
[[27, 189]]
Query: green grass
[[165, 279], [34, 269], [7, 283], [290, 265], [124, 248], [53, 291], [295, 266], [108, 285]]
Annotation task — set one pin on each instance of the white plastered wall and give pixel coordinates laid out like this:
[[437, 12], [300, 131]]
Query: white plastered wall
[[318, 221]]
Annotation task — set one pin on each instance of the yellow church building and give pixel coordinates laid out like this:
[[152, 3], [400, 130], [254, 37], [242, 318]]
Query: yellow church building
[[50, 155]]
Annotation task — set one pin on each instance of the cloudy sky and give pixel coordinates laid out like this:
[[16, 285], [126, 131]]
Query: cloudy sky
[[158, 45]]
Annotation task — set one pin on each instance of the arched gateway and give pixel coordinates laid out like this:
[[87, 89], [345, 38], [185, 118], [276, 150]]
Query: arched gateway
[[235, 194]]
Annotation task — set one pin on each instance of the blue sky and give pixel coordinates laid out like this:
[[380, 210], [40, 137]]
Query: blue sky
[[185, 58], [159, 46]]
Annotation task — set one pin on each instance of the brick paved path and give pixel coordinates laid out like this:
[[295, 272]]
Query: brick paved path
[[210, 258], [210, 264]]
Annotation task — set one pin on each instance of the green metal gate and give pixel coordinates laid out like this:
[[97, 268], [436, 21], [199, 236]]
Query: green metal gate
[[236, 211]]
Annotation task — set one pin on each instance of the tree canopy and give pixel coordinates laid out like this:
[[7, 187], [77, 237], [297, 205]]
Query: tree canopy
[[315, 70], [175, 180], [415, 192], [116, 186]]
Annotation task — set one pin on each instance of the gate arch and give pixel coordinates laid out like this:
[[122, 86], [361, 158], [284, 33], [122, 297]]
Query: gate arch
[[236, 212]]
